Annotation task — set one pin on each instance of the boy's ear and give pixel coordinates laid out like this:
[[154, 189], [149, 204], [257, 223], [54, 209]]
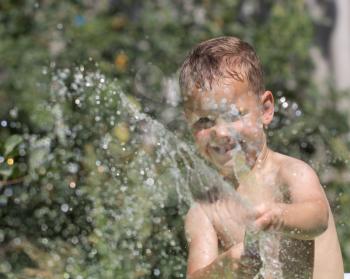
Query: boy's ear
[[268, 103]]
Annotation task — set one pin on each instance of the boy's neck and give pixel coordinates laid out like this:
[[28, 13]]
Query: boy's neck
[[262, 158]]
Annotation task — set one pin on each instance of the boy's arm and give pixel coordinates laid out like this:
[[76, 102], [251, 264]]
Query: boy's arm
[[307, 215], [204, 262], [202, 241]]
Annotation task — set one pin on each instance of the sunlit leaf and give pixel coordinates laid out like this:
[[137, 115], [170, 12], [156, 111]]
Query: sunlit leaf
[[11, 143], [6, 172]]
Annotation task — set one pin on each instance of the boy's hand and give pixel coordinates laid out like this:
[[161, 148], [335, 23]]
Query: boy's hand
[[242, 264], [269, 216]]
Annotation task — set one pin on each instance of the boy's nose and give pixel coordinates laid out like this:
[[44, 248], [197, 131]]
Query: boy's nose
[[222, 134]]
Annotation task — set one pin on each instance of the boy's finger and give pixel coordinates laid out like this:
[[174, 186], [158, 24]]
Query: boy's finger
[[262, 223], [236, 251], [260, 210]]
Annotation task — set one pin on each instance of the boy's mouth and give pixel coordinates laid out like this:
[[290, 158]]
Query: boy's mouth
[[221, 153], [221, 149]]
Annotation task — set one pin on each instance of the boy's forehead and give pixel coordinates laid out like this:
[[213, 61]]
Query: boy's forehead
[[219, 96]]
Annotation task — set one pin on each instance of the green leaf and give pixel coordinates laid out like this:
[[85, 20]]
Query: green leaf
[[6, 172], [11, 143]]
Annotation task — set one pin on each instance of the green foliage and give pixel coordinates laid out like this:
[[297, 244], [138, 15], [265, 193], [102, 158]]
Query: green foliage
[[64, 198]]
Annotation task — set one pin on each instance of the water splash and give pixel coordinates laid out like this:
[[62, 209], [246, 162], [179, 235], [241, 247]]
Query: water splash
[[134, 173], [198, 180]]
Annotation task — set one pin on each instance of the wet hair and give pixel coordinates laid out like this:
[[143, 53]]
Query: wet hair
[[218, 58]]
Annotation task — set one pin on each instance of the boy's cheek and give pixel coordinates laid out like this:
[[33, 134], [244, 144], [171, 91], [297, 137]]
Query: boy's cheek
[[201, 136], [201, 140], [252, 131]]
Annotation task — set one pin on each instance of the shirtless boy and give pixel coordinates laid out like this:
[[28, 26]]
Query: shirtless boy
[[228, 109]]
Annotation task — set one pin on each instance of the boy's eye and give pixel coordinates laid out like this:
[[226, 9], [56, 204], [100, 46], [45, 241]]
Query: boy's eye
[[203, 123], [233, 117]]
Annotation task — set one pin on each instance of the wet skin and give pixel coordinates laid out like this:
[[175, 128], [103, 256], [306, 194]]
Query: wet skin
[[227, 124], [226, 118]]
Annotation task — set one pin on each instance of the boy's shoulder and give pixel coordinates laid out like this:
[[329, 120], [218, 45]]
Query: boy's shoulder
[[285, 160], [291, 168]]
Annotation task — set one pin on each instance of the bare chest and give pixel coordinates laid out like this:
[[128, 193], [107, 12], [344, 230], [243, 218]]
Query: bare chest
[[230, 217]]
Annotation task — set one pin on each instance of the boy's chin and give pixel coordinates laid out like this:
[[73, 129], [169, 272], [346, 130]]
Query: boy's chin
[[226, 169], [226, 172], [229, 175], [229, 169]]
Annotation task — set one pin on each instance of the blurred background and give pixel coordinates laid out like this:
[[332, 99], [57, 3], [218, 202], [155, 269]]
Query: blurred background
[[73, 202]]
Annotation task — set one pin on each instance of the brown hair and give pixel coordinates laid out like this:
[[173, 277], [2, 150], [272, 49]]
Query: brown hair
[[221, 57]]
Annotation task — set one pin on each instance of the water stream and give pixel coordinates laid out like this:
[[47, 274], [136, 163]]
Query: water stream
[[139, 178], [195, 181]]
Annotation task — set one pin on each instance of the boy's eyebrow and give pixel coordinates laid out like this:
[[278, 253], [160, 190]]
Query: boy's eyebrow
[[195, 117], [212, 114]]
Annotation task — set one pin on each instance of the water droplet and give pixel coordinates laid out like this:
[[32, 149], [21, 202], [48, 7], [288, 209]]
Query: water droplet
[[45, 241], [150, 181], [75, 240], [156, 272], [4, 123], [73, 167], [8, 192], [294, 106], [65, 207], [14, 112], [44, 227]]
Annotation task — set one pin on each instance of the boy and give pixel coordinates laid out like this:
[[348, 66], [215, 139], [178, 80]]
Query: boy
[[227, 107]]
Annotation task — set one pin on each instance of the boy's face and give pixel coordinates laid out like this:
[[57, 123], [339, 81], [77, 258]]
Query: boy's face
[[228, 120]]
